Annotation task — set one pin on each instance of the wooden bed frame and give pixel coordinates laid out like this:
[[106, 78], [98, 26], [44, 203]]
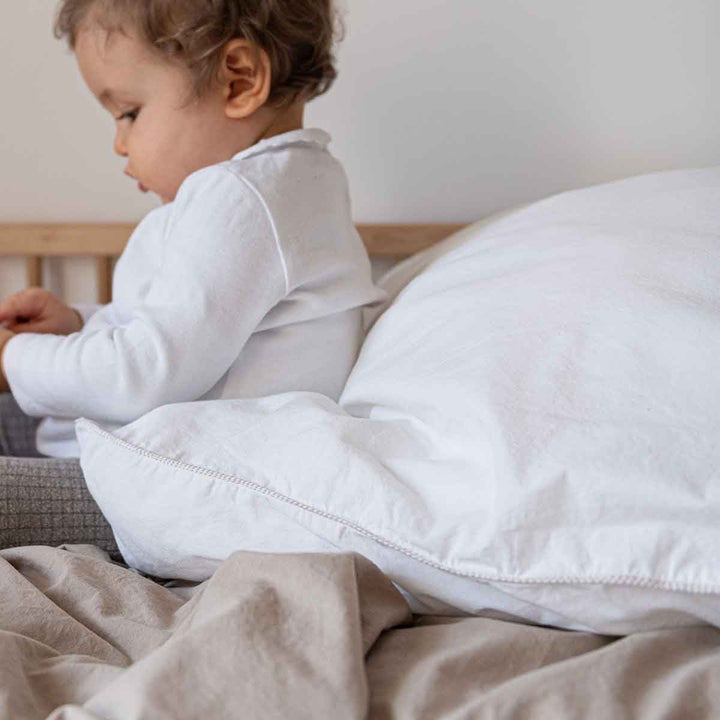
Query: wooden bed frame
[[105, 242]]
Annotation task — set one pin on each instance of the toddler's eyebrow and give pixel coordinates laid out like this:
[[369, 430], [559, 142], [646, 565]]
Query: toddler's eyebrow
[[114, 98], [105, 96]]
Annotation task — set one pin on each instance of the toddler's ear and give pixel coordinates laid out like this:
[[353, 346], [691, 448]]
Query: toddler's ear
[[246, 77]]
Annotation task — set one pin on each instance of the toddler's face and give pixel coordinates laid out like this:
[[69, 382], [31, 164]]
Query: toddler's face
[[164, 135]]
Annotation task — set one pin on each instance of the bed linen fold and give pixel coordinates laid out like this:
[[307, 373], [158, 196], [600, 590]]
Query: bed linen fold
[[310, 636]]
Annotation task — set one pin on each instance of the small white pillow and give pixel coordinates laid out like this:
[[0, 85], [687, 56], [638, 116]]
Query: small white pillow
[[530, 431]]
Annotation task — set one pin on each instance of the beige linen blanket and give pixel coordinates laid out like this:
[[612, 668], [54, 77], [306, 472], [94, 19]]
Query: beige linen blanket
[[310, 636]]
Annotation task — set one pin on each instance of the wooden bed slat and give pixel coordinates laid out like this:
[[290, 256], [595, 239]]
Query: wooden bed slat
[[63, 240], [91, 239], [33, 269], [103, 274], [106, 241], [403, 240]]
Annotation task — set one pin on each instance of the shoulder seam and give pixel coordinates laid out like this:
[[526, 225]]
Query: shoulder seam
[[278, 245]]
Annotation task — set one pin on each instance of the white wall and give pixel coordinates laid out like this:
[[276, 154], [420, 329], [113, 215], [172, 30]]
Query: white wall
[[445, 110], [449, 109]]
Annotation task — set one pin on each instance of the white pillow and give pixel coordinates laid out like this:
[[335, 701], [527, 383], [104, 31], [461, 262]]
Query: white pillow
[[531, 429]]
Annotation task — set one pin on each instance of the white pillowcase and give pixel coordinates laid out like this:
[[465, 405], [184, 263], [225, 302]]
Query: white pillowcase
[[531, 429]]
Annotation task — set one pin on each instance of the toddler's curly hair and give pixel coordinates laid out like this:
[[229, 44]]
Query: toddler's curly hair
[[297, 35]]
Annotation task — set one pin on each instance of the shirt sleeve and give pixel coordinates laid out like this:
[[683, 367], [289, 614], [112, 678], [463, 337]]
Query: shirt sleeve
[[222, 270]]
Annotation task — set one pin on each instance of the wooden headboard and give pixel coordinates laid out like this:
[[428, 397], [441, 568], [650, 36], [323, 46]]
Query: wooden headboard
[[106, 242]]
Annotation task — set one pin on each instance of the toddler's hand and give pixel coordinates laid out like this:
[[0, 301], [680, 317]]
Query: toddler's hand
[[38, 311]]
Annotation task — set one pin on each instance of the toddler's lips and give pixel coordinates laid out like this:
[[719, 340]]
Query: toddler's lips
[[142, 188]]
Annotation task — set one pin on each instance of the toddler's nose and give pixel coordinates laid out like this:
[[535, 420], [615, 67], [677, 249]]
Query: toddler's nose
[[119, 146]]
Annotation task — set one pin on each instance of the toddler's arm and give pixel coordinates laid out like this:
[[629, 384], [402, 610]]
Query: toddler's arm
[[221, 272]]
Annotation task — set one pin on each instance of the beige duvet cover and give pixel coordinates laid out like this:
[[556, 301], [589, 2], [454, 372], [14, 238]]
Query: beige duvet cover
[[310, 636]]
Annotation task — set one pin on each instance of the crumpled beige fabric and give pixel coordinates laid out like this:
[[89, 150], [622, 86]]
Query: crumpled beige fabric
[[271, 636], [491, 670], [311, 636]]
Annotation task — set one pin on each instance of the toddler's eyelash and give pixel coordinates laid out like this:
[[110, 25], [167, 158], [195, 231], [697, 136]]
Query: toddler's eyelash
[[129, 115]]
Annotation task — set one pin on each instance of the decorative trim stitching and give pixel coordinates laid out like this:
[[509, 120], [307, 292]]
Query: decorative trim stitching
[[630, 580]]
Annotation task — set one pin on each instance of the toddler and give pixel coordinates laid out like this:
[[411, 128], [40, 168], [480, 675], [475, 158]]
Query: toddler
[[250, 277]]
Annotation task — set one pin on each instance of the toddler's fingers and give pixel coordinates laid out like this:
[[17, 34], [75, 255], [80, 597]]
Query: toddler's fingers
[[6, 312], [29, 326], [24, 304], [10, 304]]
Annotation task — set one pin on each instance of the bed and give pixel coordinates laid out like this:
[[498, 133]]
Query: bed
[[322, 569]]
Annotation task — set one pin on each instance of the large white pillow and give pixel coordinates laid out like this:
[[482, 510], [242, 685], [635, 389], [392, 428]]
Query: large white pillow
[[532, 428]]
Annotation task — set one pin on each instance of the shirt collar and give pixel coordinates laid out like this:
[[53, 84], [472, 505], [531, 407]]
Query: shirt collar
[[310, 136]]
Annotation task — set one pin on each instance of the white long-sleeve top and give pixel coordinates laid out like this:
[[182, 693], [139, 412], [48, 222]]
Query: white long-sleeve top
[[249, 283]]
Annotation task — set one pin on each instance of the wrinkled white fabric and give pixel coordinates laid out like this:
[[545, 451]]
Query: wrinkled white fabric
[[531, 428]]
